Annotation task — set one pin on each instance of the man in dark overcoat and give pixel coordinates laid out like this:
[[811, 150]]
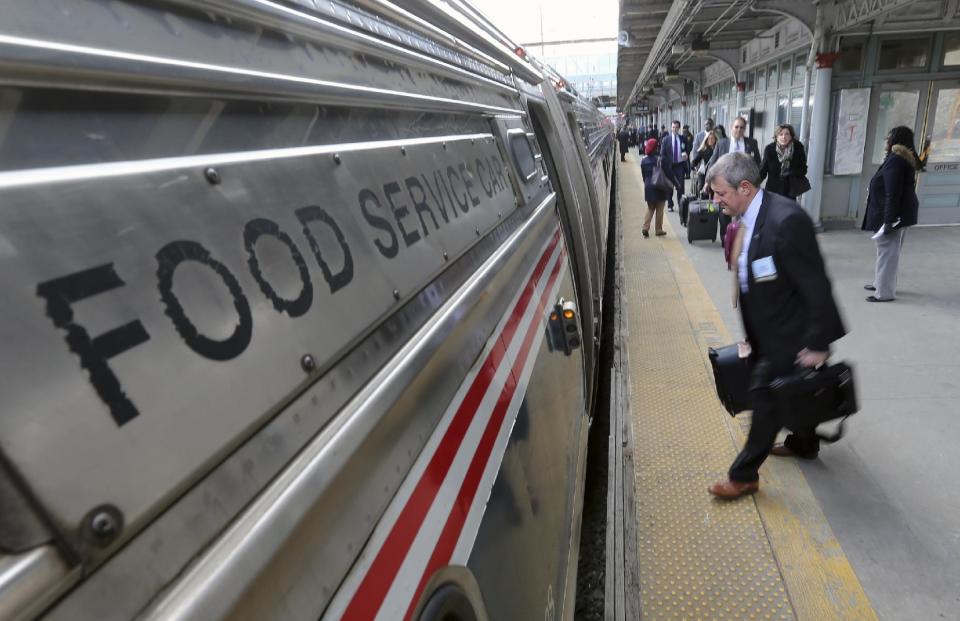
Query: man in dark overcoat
[[623, 137]]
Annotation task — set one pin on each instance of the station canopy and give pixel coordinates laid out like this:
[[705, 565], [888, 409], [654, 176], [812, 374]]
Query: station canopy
[[664, 45]]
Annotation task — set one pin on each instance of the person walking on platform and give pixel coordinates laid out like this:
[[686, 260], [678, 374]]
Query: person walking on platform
[[736, 143], [623, 137], [655, 197], [784, 164], [673, 154], [892, 206], [786, 304], [688, 142], [707, 128], [700, 159]]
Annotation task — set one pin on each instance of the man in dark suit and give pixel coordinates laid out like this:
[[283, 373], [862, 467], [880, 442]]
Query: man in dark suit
[[673, 154], [698, 139], [736, 143], [786, 303]]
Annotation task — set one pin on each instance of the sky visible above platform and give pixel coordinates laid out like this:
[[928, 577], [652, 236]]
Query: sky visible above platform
[[562, 20], [589, 66]]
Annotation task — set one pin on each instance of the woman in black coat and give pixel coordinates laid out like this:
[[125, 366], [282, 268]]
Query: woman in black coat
[[655, 198], [892, 206], [784, 164]]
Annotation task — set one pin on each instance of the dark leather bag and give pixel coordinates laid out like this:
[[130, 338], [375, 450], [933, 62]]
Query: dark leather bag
[[799, 184], [731, 373], [659, 179], [805, 398], [808, 397]]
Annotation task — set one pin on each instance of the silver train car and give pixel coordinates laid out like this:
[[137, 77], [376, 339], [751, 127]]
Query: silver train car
[[301, 312]]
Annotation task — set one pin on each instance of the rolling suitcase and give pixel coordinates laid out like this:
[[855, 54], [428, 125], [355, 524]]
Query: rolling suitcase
[[702, 221]]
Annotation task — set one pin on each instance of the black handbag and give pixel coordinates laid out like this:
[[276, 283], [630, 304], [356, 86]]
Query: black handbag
[[731, 373], [808, 397], [659, 179], [799, 184]]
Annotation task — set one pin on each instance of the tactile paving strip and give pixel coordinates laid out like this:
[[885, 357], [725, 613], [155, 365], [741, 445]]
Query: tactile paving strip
[[700, 559]]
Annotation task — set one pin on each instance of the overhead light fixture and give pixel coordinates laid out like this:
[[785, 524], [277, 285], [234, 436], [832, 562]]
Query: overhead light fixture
[[699, 45], [672, 72]]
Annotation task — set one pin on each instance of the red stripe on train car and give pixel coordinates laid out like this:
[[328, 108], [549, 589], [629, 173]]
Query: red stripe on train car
[[443, 551], [369, 596]]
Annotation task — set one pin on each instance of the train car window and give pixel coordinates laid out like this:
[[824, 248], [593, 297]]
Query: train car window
[[522, 154]]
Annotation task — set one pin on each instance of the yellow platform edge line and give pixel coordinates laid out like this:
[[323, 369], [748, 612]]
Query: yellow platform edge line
[[820, 581]]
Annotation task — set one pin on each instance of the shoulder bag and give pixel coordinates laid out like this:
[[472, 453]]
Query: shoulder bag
[[799, 184], [659, 179]]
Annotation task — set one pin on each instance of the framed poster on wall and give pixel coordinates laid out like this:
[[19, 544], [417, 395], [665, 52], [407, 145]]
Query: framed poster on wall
[[894, 108], [851, 135]]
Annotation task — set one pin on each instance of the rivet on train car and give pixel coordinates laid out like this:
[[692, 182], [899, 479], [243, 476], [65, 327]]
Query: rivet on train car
[[396, 294], [499, 214], [473, 141], [444, 143], [308, 363], [336, 159], [445, 255], [212, 175], [104, 523], [403, 150], [478, 230]]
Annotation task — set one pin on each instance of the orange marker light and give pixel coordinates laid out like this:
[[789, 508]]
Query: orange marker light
[[568, 314]]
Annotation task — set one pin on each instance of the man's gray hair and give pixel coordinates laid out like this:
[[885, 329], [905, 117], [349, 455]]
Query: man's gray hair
[[734, 168]]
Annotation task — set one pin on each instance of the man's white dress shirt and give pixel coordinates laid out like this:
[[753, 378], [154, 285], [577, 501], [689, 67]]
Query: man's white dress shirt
[[748, 220]]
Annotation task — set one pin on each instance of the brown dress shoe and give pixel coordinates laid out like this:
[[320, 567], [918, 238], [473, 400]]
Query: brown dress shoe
[[782, 450], [729, 489]]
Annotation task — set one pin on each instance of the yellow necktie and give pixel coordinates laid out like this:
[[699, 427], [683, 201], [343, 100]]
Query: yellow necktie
[[735, 260]]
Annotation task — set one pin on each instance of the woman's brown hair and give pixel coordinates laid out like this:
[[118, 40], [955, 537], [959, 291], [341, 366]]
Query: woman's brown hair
[[785, 126]]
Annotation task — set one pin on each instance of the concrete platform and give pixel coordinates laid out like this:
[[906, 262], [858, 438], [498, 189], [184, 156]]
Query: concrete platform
[[864, 532]]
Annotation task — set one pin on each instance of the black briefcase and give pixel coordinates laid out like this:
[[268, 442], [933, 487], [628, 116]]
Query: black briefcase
[[808, 397], [731, 373]]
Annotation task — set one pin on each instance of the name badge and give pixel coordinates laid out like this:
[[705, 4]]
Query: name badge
[[764, 269]]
